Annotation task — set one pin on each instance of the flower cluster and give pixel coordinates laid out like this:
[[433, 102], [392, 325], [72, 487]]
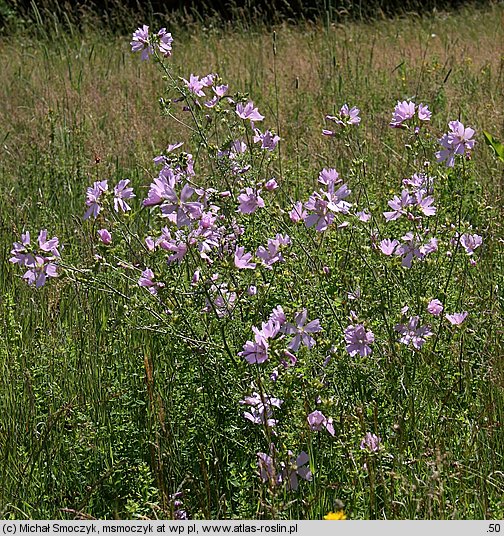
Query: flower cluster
[[346, 117], [144, 42], [40, 262], [96, 193], [405, 110], [458, 141]]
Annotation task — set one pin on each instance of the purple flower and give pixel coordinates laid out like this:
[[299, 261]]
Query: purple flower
[[271, 185], [412, 334], [49, 246], [267, 469], [165, 42], [93, 195], [424, 114], [195, 85], [147, 280], [271, 254], [358, 340], [402, 112], [255, 351], [261, 410], [347, 116], [250, 201], [20, 252], [425, 203], [435, 307], [120, 194], [297, 467], [321, 217], [398, 205], [140, 42], [301, 331], [223, 302], [268, 140], [370, 442], [242, 259], [105, 236], [39, 270], [363, 216], [317, 420], [456, 142], [457, 318], [388, 246], [278, 315], [179, 209], [252, 290], [298, 213], [470, 242], [248, 112]]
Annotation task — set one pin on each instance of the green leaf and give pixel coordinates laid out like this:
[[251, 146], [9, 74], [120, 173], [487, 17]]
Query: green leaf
[[495, 145]]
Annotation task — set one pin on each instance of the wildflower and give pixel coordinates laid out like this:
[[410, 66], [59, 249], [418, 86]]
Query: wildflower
[[223, 302], [335, 516], [470, 242], [456, 142], [435, 307], [267, 470], [297, 467], [242, 259], [252, 290], [48, 246], [268, 140], [412, 334], [358, 340], [317, 420], [256, 351], [271, 254], [261, 410], [271, 185], [329, 177], [424, 114], [278, 315], [370, 442], [398, 205], [121, 192], [147, 280], [39, 270], [387, 246], [179, 209], [347, 116], [457, 318], [248, 112], [402, 112], [321, 218], [20, 252], [195, 85], [105, 236], [363, 216], [140, 42], [165, 42], [250, 201], [298, 213], [301, 331], [93, 195]]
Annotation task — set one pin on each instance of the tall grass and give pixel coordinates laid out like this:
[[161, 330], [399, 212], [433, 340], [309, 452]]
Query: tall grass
[[99, 419]]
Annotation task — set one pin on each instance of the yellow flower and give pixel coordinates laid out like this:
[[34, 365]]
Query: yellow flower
[[335, 515]]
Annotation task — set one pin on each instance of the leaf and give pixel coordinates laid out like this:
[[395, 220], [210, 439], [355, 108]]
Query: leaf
[[495, 145]]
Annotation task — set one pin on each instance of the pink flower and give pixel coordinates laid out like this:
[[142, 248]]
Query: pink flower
[[250, 201], [435, 307], [370, 442], [358, 340], [317, 420], [105, 236], [302, 331], [242, 259], [471, 242], [457, 318], [403, 111], [248, 112]]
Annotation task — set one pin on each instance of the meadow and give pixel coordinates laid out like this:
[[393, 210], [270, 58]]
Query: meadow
[[263, 327]]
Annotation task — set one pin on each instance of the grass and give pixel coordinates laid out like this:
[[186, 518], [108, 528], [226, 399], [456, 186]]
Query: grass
[[108, 411]]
